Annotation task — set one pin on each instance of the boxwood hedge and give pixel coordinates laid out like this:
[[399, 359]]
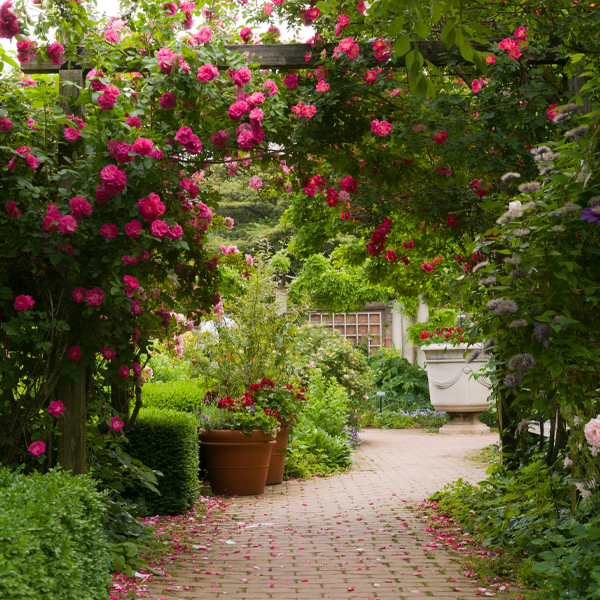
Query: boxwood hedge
[[184, 396]]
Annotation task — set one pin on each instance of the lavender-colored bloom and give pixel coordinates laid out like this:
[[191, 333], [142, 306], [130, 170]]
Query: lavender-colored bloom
[[558, 229], [512, 380], [540, 150], [562, 117], [556, 321], [475, 354], [517, 323], [523, 425], [487, 281], [505, 219], [519, 233], [513, 260], [544, 170], [571, 207], [591, 214], [518, 273], [506, 307], [521, 362], [542, 332], [556, 213], [551, 156], [480, 265], [578, 132], [570, 108], [492, 304], [489, 344], [529, 205], [595, 201], [532, 187], [508, 176]]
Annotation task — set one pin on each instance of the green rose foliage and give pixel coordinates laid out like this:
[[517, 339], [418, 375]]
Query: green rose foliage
[[327, 350]]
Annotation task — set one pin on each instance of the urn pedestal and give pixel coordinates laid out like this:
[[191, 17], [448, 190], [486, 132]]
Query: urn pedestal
[[454, 390]]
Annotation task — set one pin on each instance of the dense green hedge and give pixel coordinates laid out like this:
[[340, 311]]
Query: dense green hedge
[[167, 440], [51, 541], [184, 396]]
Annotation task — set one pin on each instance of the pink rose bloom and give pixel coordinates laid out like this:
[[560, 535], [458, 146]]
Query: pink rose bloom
[[189, 140], [115, 423], [111, 36], [237, 110], [255, 99], [322, 86], [5, 124], [188, 185], [344, 196], [80, 207], [136, 309], [120, 151], [137, 368], [371, 76], [128, 260], [9, 23], [133, 122], [245, 34], [440, 137], [166, 59], [308, 111], [124, 373], [168, 101], [107, 100], [592, 432], [382, 49], [55, 52], [23, 303], [74, 353], [551, 112], [170, 8], [12, 210], [476, 85], [207, 72], [67, 224], [151, 208], [380, 127], [56, 408], [271, 86], [142, 146], [290, 81], [220, 138], [37, 448], [256, 114], [95, 297], [108, 353], [204, 35], [521, 33], [255, 182], [241, 77], [79, 294], [490, 59], [114, 181], [131, 282], [391, 255], [109, 230], [71, 134], [267, 8], [174, 232], [157, 154], [32, 161], [249, 260], [134, 228], [159, 229], [228, 221]]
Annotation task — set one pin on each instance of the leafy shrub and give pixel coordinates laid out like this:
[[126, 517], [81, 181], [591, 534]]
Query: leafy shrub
[[326, 405], [51, 539], [167, 441], [167, 367], [332, 453], [391, 419], [405, 385], [183, 396], [327, 350], [440, 319]]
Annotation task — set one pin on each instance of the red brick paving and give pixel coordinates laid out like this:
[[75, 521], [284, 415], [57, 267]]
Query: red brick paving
[[344, 537]]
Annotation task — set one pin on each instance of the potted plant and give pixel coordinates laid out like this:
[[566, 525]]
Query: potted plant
[[454, 384], [282, 402], [237, 438]]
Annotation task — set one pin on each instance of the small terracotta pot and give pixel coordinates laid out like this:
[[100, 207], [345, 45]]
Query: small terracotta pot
[[278, 453], [237, 462]]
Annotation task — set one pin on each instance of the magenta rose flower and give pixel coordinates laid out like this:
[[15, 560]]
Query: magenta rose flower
[[134, 228], [95, 296], [168, 101], [74, 353], [56, 408], [37, 448], [108, 353], [79, 294], [109, 230]]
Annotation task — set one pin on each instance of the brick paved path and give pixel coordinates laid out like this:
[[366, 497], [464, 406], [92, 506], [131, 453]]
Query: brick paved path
[[343, 537]]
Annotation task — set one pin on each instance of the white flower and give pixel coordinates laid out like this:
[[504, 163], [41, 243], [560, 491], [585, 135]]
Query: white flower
[[515, 208], [568, 461]]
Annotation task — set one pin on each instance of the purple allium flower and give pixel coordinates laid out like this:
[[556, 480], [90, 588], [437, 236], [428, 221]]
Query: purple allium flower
[[591, 214], [506, 307], [532, 186], [517, 323], [578, 132], [487, 281], [521, 362], [508, 176], [513, 260], [512, 380], [542, 332], [475, 354]]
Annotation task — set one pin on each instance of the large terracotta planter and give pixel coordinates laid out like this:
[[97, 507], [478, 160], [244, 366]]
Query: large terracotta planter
[[277, 464], [237, 462], [454, 390]]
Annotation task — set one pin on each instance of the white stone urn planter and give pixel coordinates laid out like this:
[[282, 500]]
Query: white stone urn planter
[[454, 390]]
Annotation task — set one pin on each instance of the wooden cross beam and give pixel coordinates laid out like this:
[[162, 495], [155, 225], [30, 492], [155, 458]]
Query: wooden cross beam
[[293, 56]]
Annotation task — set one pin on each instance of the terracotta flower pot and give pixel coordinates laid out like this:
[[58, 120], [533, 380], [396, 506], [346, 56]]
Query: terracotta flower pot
[[277, 464], [237, 462]]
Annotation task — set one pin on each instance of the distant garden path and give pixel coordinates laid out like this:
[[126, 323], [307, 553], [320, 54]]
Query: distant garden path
[[348, 536]]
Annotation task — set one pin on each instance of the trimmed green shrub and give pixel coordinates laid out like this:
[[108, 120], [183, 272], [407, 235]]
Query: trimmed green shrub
[[167, 440], [183, 396], [51, 541]]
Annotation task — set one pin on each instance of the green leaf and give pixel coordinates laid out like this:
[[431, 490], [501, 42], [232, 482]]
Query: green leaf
[[436, 13], [396, 26], [422, 29], [402, 45], [448, 34]]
